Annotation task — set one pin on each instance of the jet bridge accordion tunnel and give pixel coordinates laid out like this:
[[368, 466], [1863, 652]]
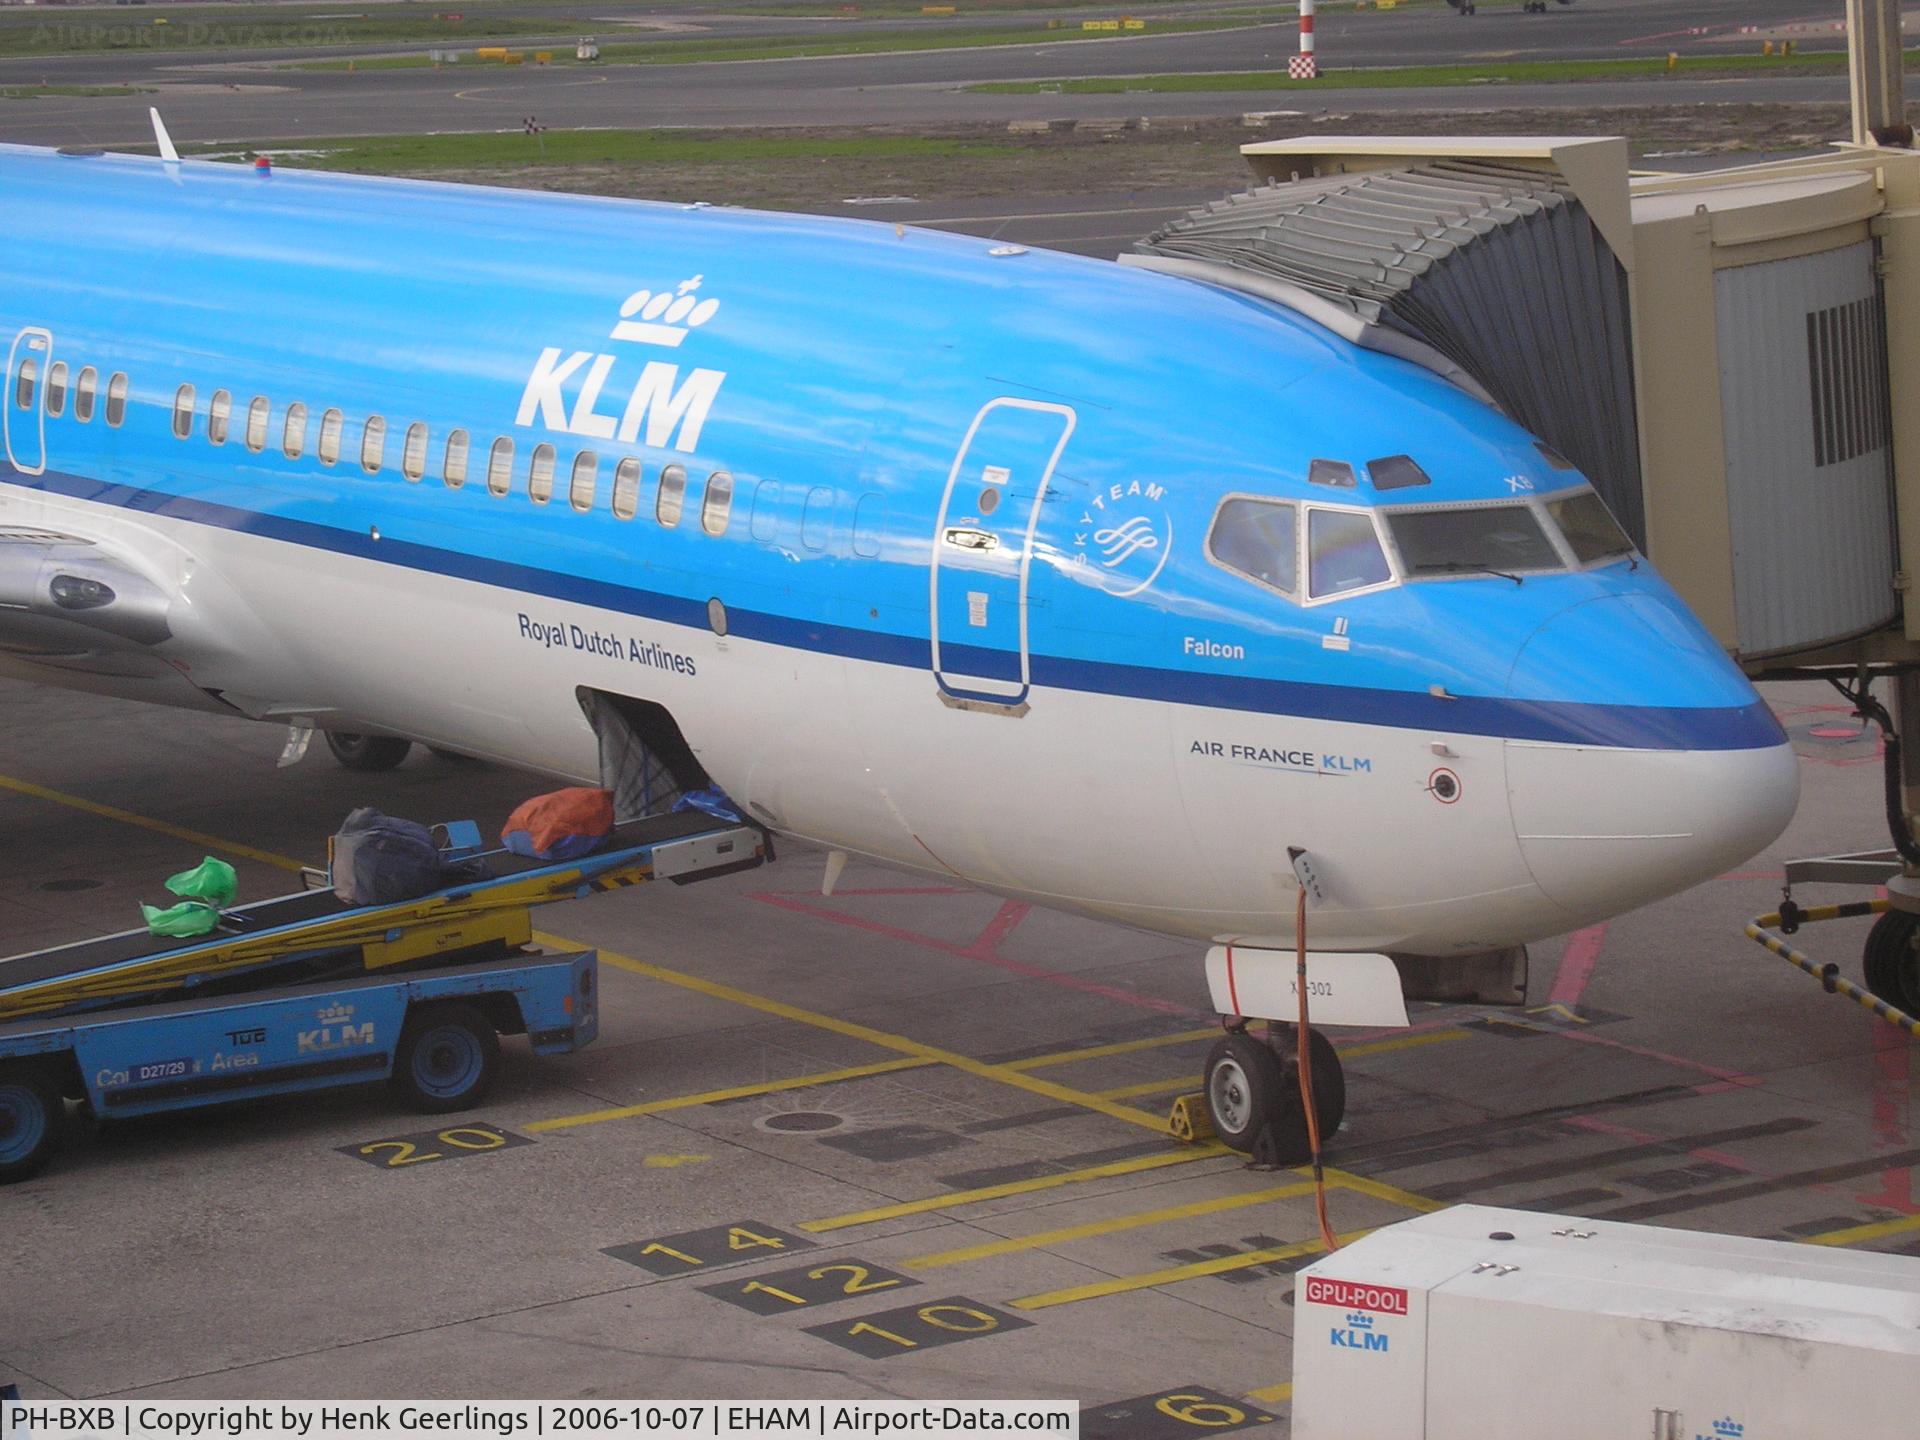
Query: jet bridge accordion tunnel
[[1715, 351]]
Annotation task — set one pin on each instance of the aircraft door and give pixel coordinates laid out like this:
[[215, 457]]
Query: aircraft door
[[983, 549], [23, 410]]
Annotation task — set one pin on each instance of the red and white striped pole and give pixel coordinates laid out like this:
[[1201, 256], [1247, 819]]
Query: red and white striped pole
[[1303, 66]]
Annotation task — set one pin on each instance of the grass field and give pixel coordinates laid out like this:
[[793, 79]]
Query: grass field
[[1411, 76], [85, 92]]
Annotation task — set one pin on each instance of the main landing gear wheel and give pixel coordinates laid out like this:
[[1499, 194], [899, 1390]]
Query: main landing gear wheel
[[1892, 964], [32, 1121], [447, 1057], [367, 752], [1253, 1092]]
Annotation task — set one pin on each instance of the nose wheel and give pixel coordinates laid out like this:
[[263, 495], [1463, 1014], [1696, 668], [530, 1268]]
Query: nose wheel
[[1253, 1093]]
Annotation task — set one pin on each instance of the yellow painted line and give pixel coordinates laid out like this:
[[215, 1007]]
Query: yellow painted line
[[1123, 1047], [127, 817], [1152, 1087], [1015, 1187], [900, 1044], [1273, 1394], [1391, 1194], [1879, 1230], [1402, 1042], [1122, 1284], [732, 1092], [1108, 1227]]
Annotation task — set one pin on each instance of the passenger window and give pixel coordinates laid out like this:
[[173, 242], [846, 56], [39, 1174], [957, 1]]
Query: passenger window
[[816, 518], [765, 522], [540, 475], [500, 468], [332, 425], [626, 490], [718, 505], [586, 469], [57, 389], [116, 398], [869, 523], [24, 386], [1257, 539], [219, 413], [373, 445], [454, 468], [1343, 553], [83, 393], [293, 437], [183, 412], [673, 493], [413, 454], [1483, 540], [258, 414]]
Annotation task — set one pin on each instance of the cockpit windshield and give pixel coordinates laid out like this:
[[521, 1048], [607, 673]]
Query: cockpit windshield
[[1591, 531], [1479, 539]]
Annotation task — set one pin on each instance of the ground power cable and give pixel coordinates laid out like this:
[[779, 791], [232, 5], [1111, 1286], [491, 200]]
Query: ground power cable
[[1303, 1064]]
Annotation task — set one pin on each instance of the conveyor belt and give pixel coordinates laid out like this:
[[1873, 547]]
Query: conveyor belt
[[496, 885]]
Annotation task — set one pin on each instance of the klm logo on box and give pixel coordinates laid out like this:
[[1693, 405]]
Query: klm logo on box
[[1727, 1429], [1357, 1334]]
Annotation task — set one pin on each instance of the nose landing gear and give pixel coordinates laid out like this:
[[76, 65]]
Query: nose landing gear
[[1253, 1099]]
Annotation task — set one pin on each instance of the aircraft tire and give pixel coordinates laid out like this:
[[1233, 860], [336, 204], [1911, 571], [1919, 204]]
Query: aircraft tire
[[447, 1057], [1329, 1077], [1246, 1090], [1891, 964], [33, 1121], [367, 752]]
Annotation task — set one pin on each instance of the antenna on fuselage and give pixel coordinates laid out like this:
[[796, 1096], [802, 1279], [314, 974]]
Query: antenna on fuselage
[[162, 138]]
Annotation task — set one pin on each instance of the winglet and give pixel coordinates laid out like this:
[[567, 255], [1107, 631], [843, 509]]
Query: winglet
[[162, 138]]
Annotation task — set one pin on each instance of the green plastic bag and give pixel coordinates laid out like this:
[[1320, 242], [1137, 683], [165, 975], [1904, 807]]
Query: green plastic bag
[[183, 921], [211, 880], [203, 890]]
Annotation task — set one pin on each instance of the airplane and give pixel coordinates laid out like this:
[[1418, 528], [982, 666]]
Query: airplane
[[1108, 590], [1527, 7]]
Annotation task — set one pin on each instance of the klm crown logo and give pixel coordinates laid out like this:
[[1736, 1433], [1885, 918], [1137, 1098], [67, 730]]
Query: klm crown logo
[[1728, 1429], [335, 1014], [1359, 1320], [666, 317]]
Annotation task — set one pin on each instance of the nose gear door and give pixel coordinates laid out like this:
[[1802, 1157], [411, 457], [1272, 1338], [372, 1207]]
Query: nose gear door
[[23, 409], [983, 550]]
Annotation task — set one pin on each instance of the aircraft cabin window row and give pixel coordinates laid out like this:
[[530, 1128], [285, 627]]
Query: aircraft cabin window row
[[716, 503], [64, 387]]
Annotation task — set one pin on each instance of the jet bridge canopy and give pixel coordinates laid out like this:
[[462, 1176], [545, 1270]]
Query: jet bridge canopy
[[1487, 265]]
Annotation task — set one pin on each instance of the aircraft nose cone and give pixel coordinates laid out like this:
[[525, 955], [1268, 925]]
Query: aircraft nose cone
[[1654, 796]]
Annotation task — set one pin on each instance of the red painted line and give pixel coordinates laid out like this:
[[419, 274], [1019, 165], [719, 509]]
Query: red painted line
[[1892, 1068], [1577, 963], [974, 952], [1233, 990], [1699, 1067], [986, 945], [891, 890]]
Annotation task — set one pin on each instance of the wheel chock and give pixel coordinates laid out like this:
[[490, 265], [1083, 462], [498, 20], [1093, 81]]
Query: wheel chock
[[1189, 1122]]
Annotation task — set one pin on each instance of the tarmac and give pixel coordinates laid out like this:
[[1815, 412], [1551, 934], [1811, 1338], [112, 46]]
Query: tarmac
[[900, 1101], [214, 96]]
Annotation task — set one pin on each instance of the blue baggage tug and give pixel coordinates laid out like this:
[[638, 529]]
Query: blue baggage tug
[[305, 992]]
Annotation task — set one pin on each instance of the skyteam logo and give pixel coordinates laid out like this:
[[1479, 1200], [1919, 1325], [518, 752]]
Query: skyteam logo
[[564, 392], [665, 318], [1123, 537]]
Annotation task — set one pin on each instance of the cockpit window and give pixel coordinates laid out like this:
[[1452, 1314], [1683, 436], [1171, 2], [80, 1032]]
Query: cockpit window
[[1486, 539], [1331, 472], [1396, 472], [1553, 457], [1343, 553], [1591, 532], [1256, 538]]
